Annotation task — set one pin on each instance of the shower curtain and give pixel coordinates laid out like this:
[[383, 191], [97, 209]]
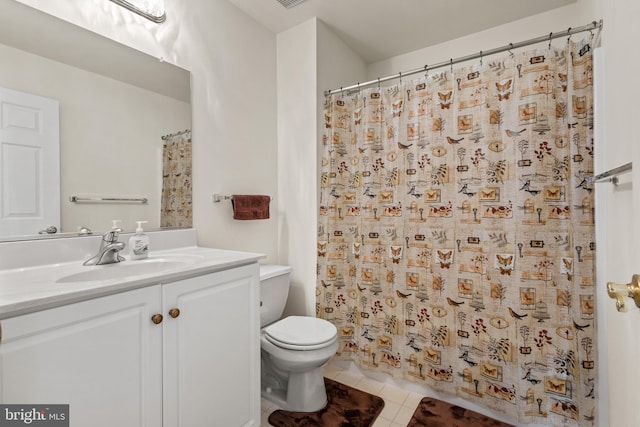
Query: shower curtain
[[456, 232], [176, 209]]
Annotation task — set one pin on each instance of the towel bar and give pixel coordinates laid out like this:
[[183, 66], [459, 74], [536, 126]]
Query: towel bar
[[216, 198], [80, 199], [612, 174]]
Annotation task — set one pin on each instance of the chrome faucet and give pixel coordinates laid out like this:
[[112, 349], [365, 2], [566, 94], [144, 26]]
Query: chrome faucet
[[109, 248]]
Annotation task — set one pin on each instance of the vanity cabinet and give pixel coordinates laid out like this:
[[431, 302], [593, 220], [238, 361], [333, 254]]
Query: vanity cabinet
[[212, 350], [116, 362], [103, 357]]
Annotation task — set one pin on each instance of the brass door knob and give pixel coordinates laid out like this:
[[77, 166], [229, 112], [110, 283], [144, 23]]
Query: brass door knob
[[156, 319], [174, 312], [620, 292]]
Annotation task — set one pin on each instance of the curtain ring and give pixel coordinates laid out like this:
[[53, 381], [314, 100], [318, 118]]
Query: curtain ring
[[510, 47], [426, 71], [378, 83], [451, 65], [400, 76], [481, 58], [569, 38], [550, 35]]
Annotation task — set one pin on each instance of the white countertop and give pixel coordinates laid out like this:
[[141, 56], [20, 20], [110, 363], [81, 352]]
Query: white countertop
[[24, 290]]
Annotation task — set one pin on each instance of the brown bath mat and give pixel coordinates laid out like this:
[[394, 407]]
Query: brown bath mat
[[346, 407], [436, 413]]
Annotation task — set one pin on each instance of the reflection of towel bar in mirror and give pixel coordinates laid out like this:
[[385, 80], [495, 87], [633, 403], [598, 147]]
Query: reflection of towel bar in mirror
[[78, 199], [612, 174], [220, 197]]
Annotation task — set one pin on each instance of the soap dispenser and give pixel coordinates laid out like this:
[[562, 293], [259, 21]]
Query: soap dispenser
[[139, 243]]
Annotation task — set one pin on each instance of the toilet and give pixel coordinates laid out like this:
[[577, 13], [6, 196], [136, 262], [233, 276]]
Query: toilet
[[293, 349]]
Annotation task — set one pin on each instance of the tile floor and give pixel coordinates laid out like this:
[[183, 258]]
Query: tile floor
[[399, 404]]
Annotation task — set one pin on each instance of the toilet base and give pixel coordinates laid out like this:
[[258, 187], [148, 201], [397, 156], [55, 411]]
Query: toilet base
[[305, 392]]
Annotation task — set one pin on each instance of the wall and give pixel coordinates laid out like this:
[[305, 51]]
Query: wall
[[523, 29], [232, 60], [310, 59], [297, 122], [124, 114]]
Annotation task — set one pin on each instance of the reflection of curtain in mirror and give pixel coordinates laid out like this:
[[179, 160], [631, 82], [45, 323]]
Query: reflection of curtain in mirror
[[455, 238], [176, 209]]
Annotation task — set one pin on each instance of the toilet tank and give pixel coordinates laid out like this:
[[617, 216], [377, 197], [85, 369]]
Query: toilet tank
[[274, 289]]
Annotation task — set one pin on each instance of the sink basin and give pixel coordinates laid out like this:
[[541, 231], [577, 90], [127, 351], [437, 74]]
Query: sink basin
[[123, 269]]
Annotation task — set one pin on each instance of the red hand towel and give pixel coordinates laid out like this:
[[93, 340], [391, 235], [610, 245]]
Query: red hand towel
[[250, 206]]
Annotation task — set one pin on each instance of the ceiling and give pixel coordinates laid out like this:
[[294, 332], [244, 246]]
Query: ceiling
[[381, 29]]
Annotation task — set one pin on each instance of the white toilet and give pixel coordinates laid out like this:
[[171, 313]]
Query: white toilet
[[293, 349]]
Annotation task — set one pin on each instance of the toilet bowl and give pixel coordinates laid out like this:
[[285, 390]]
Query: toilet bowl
[[293, 349]]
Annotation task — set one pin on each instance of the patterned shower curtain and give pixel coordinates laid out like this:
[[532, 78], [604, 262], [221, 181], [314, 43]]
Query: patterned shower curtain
[[456, 232], [176, 209]]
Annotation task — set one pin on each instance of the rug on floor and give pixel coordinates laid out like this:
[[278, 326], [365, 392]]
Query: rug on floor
[[436, 413], [346, 407]]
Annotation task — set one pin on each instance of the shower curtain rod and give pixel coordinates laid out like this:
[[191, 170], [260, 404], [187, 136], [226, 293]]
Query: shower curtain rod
[[589, 27], [165, 137]]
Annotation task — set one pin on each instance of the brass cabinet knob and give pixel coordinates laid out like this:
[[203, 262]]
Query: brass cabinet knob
[[156, 319], [174, 312], [620, 292]]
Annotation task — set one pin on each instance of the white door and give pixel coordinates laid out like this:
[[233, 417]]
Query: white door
[[618, 238], [29, 163], [102, 357], [212, 350]]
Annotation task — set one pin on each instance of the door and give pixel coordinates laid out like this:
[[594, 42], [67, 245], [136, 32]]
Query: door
[[617, 236], [29, 163], [212, 350], [102, 357]]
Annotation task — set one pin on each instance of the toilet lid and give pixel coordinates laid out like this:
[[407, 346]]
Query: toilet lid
[[301, 331]]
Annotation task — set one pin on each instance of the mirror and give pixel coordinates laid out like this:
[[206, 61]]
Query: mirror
[[115, 105]]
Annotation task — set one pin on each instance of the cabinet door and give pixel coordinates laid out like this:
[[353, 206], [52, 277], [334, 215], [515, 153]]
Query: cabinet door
[[103, 357], [212, 350]]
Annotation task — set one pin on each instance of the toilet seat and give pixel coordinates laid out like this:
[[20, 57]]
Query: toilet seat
[[301, 333]]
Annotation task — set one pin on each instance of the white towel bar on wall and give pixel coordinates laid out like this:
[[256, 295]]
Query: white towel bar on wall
[[80, 199], [220, 197], [216, 198], [612, 174]]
